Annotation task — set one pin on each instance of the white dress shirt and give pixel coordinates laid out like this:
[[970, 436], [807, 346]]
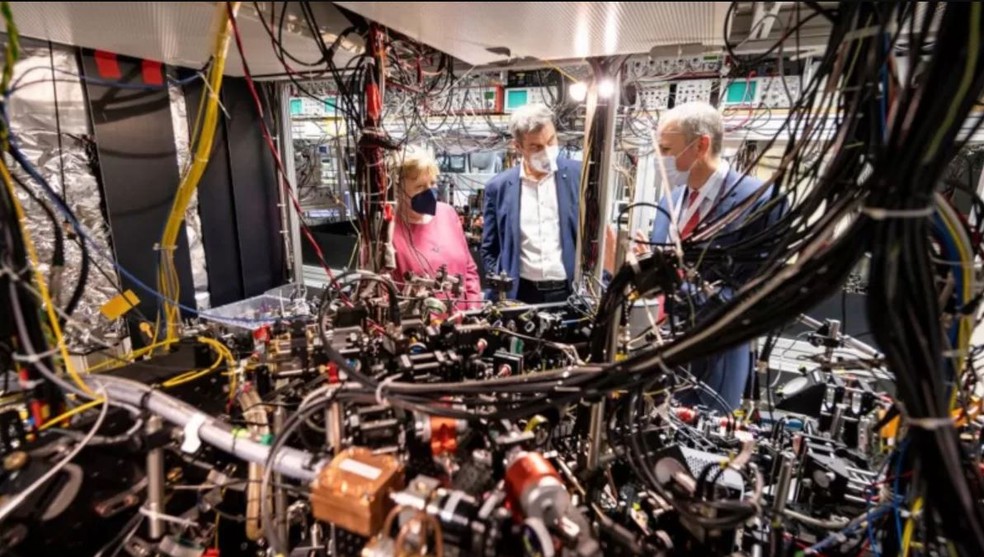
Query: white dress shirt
[[540, 250], [707, 198]]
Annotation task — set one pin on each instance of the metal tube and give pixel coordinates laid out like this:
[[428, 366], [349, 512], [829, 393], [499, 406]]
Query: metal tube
[[155, 482], [596, 426], [781, 490], [834, 333], [279, 495], [608, 112], [291, 219], [837, 421], [606, 173], [291, 462], [334, 427]]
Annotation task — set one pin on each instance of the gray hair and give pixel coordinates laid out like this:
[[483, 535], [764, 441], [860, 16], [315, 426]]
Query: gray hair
[[529, 118], [696, 119]]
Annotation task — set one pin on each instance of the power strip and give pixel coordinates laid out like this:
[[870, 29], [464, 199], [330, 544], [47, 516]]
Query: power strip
[[645, 67]]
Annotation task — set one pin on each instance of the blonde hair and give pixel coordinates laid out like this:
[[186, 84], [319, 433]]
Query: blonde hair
[[410, 162]]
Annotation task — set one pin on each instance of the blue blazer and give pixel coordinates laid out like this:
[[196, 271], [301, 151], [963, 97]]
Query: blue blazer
[[500, 233], [725, 372]]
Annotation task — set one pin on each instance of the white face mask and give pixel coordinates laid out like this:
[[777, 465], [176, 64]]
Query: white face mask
[[677, 177], [545, 161]]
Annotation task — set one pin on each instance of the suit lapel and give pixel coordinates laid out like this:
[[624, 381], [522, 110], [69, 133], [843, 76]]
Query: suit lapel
[[563, 201], [727, 195], [513, 191], [564, 213]]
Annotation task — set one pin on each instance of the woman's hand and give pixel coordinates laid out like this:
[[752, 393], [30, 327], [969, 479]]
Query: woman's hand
[[640, 244]]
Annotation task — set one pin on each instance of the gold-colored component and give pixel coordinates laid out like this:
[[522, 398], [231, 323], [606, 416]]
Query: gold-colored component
[[353, 490], [15, 461], [119, 304], [174, 475]]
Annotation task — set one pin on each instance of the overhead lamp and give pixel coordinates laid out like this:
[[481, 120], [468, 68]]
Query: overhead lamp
[[606, 88], [578, 91]]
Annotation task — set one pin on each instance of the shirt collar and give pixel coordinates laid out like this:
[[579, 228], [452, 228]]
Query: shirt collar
[[714, 182], [527, 178]]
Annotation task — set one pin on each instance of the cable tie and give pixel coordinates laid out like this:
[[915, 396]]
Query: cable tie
[[383, 384], [931, 424], [192, 442], [214, 94], [880, 213], [955, 353], [159, 247], [34, 358], [167, 518]]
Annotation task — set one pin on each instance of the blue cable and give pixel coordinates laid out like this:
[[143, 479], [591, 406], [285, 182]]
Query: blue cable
[[837, 537], [80, 230], [952, 255], [896, 496], [110, 83], [871, 531]]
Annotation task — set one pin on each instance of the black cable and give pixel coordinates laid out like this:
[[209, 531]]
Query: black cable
[[58, 252]]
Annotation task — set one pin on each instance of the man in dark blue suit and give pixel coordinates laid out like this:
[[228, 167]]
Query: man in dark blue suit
[[703, 188], [531, 213]]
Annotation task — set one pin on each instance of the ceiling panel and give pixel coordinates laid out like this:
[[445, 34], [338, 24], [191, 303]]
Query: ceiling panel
[[176, 33], [549, 30]]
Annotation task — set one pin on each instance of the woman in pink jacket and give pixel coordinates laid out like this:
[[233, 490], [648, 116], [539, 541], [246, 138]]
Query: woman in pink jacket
[[427, 234]]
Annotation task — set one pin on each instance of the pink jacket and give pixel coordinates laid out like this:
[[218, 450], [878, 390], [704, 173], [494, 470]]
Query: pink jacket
[[423, 248]]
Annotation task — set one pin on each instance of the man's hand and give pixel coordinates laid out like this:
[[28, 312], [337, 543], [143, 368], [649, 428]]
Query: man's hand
[[640, 245]]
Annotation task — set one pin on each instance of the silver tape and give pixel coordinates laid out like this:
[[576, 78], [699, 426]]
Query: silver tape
[[193, 222], [65, 165]]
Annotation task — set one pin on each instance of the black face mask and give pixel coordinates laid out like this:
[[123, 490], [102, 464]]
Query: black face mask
[[425, 202]]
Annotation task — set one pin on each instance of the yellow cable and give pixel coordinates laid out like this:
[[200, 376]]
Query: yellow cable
[[65, 415], [225, 353], [968, 75], [192, 375], [167, 277], [963, 336], [49, 305], [910, 526], [222, 354]]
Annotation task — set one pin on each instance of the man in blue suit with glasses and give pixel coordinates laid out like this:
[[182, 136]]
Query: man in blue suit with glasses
[[705, 187]]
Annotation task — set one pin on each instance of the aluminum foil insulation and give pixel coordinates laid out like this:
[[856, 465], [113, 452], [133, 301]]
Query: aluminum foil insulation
[[48, 98], [193, 221]]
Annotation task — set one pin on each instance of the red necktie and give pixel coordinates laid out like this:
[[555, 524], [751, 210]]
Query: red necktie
[[688, 228]]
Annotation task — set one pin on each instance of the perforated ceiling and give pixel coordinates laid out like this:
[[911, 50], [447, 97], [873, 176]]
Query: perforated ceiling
[[177, 33], [549, 30]]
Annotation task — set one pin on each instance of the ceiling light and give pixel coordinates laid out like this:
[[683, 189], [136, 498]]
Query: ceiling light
[[578, 91], [606, 87]]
